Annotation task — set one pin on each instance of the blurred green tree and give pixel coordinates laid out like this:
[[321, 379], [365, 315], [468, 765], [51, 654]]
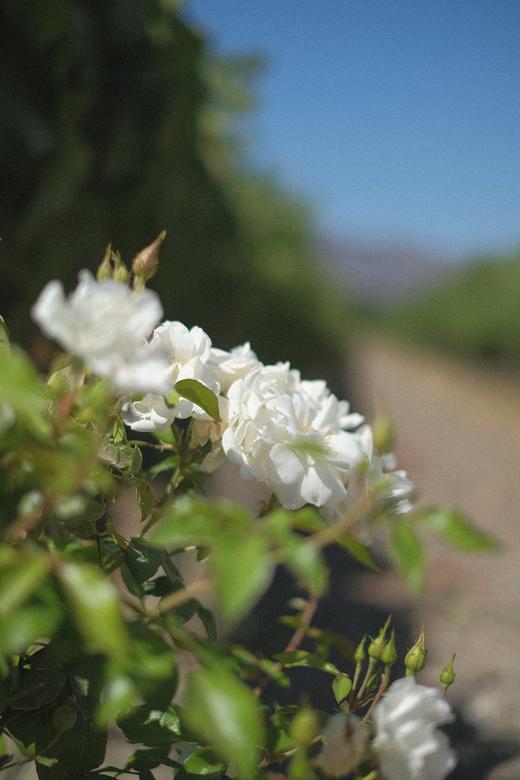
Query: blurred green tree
[[118, 122]]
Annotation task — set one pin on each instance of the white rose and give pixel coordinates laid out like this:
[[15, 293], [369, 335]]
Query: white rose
[[287, 434], [407, 742], [150, 414], [107, 325], [345, 739], [227, 367], [188, 353]]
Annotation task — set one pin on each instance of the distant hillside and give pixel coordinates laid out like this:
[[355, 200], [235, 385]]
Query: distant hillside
[[476, 315], [381, 275]]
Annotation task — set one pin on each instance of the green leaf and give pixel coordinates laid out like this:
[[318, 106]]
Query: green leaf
[[142, 559], [5, 343], [193, 520], [178, 527], [148, 759], [86, 676], [307, 564], [203, 762], [304, 658], [200, 395], [243, 568], [456, 529], [40, 684], [358, 551], [19, 581], [222, 711], [207, 618], [408, 554], [304, 560], [341, 687], [152, 727], [27, 624], [119, 694], [95, 607], [77, 751], [22, 390]]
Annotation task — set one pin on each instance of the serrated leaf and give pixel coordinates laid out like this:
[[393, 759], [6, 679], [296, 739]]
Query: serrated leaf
[[222, 711], [200, 395], [304, 658], [359, 551], [408, 554], [456, 529], [95, 607]]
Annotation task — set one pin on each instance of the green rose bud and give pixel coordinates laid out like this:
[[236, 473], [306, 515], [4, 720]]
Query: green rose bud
[[448, 674], [415, 658]]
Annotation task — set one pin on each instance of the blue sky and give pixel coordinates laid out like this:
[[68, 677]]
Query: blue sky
[[398, 119]]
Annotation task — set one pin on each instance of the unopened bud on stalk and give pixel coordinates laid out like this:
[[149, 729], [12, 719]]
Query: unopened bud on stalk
[[105, 268], [448, 674], [383, 432], [146, 262], [377, 645], [415, 658], [121, 273], [389, 654], [359, 655]]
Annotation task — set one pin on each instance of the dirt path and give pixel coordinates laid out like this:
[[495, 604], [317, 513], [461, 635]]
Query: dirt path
[[459, 438]]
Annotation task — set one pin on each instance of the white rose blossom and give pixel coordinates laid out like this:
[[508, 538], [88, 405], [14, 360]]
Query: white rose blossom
[[188, 353], [107, 325], [345, 739], [407, 742], [289, 434], [227, 367]]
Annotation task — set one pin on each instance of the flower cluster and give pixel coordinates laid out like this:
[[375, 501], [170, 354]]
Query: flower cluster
[[407, 742], [291, 434]]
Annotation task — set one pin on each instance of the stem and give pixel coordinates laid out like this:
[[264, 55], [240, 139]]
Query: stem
[[381, 690], [296, 639], [357, 673], [184, 594], [306, 619], [330, 533], [368, 675]]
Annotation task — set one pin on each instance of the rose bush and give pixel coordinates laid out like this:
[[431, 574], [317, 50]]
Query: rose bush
[[98, 623]]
